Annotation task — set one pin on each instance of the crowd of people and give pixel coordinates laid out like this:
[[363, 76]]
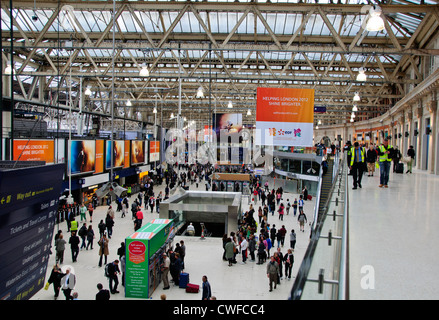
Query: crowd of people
[[367, 158], [256, 240]]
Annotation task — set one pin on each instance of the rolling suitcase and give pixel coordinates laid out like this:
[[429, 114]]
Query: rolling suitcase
[[309, 197], [184, 280], [400, 167], [192, 288]]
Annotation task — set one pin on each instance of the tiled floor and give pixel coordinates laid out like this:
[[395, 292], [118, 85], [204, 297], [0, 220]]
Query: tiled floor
[[203, 257], [393, 238]]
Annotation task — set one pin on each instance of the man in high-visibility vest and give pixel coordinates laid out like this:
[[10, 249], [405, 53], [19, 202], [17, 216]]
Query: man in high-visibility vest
[[385, 161], [357, 164]]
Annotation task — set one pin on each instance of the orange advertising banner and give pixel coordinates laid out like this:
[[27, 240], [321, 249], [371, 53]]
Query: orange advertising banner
[[154, 150], [285, 105], [99, 165], [35, 150], [127, 154]]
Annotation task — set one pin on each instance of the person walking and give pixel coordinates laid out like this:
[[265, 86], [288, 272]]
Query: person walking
[[74, 246], [82, 212], [68, 283], [103, 249], [300, 204], [272, 273], [109, 223], [83, 234], [302, 219], [90, 211], [55, 279], [371, 158], [295, 206], [289, 261], [113, 271], [90, 237], [357, 164], [60, 246], [207, 291], [410, 153], [292, 239], [385, 160]]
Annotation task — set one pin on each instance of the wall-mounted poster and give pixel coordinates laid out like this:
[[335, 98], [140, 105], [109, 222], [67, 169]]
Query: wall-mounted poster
[[126, 160], [118, 153], [82, 156], [34, 150], [154, 151], [99, 167], [284, 117], [137, 152]]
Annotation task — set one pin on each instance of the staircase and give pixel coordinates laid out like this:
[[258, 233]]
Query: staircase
[[326, 187]]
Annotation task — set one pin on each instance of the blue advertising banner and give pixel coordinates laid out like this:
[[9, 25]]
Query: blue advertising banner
[[28, 203]]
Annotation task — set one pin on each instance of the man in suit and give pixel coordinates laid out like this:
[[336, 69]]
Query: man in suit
[[103, 294], [68, 283], [113, 271]]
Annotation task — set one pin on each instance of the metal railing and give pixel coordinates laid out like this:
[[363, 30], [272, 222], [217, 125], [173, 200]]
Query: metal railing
[[324, 272]]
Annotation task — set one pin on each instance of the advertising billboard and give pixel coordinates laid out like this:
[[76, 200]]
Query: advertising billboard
[[284, 117], [154, 151], [82, 156], [126, 160], [34, 150], [118, 151], [99, 167], [227, 123], [137, 152]]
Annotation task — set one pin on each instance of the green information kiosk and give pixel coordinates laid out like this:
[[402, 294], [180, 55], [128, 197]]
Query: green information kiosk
[[144, 249]]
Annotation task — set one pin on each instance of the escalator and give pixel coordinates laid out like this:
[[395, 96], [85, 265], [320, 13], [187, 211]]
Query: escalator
[[326, 187]]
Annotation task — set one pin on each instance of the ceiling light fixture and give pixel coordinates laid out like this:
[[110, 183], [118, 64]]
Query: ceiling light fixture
[[230, 105], [154, 111], [375, 22], [249, 113], [144, 72], [354, 108], [87, 91], [129, 104], [8, 69], [361, 75], [357, 97], [200, 92]]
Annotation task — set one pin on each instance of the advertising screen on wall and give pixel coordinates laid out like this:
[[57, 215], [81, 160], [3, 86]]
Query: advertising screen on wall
[[126, 160], [284, 117], [227, 123], [137, 152], [118, 153], [34, 150], [83, 156], [99, 167]]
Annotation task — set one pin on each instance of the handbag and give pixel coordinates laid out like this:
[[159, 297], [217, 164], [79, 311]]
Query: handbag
[[46, 287]]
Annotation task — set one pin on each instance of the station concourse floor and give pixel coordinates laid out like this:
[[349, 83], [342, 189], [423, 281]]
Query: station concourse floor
[[394, 238], [203, 257]]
